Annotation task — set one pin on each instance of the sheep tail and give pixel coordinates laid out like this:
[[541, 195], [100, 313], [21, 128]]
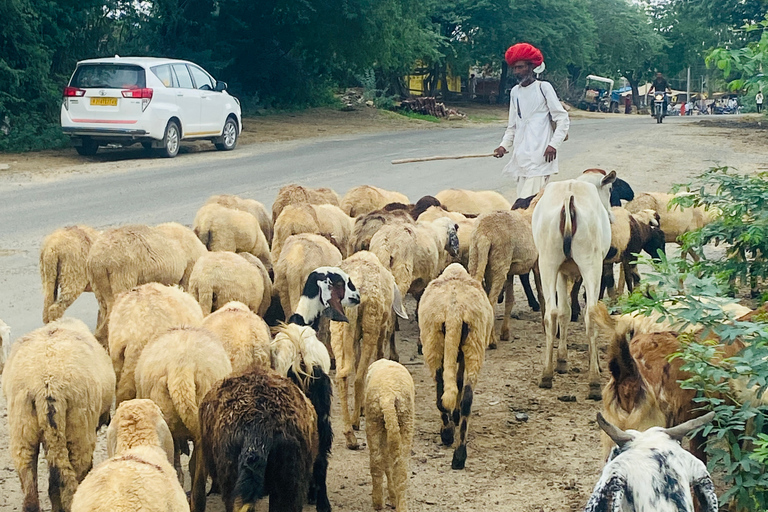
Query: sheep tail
[[183, 391], [453, 332], [251, 472], [204, 295], [568, 225], [478, 257], [392, 427], [50, 270], [52, 418]]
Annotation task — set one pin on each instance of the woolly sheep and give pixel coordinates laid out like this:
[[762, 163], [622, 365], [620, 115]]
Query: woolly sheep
[[137, 317], [437, 243], [325, 219], [222, 276], [176, 370], [370, 326], [367, 198], [455, 324], [473, 202], [191, 245], [465, 228], [251, 206], [138, 474], [300, 356], [327, 291], [300, 256], [571, 230], [395, 247], [414, 210], [244, 336], [63, 255], [224, 229], [389, 410], [59, 385], [248, 423], [297, 194], [366, 226], [128, 256], [651, 472], [502, 247], [675, 221]]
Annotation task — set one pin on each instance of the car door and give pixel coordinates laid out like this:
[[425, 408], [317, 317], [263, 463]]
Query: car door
[[212, 114], [188, 100]]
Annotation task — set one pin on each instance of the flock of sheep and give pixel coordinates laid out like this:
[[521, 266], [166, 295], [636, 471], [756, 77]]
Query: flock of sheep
[[184, 351]]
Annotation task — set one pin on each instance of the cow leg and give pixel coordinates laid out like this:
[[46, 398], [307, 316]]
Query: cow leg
[[549, 283], [575, 306], [563, 313]]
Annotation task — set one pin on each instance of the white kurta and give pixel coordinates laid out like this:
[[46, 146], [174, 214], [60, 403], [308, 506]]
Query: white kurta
[[529, 132]]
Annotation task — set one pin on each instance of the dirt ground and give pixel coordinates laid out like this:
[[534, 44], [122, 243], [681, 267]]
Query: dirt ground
[[545, 459]]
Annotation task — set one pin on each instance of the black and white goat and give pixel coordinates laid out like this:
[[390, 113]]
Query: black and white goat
[[327, 292], [650, 472]]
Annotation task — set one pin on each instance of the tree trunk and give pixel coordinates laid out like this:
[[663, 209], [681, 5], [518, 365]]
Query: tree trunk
[[502, 98], [635, 92], [444, 81]]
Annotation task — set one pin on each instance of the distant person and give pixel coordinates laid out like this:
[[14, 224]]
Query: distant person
[[472, 86], [759, 101], [530, 135], [660, 84], [733, 105], [628, 104]]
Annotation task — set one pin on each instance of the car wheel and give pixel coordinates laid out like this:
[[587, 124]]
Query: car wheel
[[88, 148], [171, 141], [228, 139]]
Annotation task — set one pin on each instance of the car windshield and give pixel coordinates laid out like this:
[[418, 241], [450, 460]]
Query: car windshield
[[109, 76]]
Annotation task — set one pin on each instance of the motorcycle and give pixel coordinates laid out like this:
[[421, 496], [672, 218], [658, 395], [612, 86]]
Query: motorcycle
[[658, 107]]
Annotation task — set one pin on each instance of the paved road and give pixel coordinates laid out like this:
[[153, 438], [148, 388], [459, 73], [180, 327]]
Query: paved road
[[173, 191]]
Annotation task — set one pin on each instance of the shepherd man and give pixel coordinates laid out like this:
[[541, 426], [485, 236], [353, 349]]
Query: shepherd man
[[538, 123]]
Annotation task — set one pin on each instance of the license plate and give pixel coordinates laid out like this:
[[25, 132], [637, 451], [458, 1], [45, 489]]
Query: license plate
[[106, 102]]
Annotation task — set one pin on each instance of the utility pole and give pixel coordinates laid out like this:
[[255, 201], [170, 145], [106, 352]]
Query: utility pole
[[688, 86]]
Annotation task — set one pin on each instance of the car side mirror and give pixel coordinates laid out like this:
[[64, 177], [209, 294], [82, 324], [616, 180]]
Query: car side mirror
[[221, 86]]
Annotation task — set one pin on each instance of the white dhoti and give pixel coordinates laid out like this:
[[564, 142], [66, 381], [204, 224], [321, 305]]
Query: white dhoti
[[528, 186]]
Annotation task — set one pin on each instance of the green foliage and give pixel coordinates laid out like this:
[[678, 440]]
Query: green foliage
[[745, 63], [420, 117], [691, 293]]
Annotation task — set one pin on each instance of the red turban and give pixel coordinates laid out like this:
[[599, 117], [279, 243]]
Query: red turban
[[524, 51]]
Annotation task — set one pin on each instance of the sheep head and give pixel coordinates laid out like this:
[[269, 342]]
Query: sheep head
[[328, 291]]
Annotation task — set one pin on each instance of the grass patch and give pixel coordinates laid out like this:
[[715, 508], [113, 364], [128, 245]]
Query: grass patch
[[416, 115], [484, 118]]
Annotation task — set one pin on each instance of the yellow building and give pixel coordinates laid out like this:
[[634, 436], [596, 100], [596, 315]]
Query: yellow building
[[416, 81]]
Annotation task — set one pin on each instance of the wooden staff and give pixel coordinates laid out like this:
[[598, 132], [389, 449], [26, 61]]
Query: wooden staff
[[430, 158]]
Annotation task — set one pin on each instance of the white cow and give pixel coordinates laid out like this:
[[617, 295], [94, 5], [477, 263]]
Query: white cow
[[572, 232]]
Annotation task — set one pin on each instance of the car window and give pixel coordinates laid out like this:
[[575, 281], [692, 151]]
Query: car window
[[202, 80], [109, 76], [182, 76], [164, 74]]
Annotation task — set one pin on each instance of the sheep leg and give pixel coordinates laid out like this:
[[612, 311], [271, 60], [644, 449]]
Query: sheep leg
[[509, 302], [525, 280], [564, 313], [343, 384], [26, 466], [607, 281], [393, 355], [575, 306], [549, 283], [460, 454], [459, 386], [447, 430], [362, 370], [199, 478], [496, 289], [375, 434]]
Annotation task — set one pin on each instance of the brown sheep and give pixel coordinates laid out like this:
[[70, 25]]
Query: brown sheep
[[367, 225], [502, 247], [456, 325], [472, 202], [137, 317], [389, 411], [249, 423], [244, 336], [367, 198], [192, 246], [59, 386], [221, 277], [175, 371], [251, 206], [296, 194], [359, 342], [226, 229], [301, 255], [325, 219], [63, 255], [414, 210], [128, 256]]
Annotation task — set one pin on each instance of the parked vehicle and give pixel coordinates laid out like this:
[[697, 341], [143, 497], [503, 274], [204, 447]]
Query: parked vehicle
[[153, 101], [597, 94]]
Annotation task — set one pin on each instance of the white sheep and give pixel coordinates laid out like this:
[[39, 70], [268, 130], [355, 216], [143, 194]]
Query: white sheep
[[63, 255], [472, 202], [251, 206], [650, 472], [325, 219], [137, 317], [464, 228], [367, 198], [59, 385], [191, 245], [243, 334], [225, 229], [176, 370], [297, 194], [389, 412], [222, 276], [366, 226], [455, 324], [138, 475], [360, 341], [674, 221], [572, 232]]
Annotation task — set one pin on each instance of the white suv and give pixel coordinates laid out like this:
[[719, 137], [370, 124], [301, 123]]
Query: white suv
[[157, 102]]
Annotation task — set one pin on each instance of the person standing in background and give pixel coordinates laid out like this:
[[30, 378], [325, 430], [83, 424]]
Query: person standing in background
[[759, 101]]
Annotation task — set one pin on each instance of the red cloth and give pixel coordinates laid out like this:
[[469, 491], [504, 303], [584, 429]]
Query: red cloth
[[524, 51]]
